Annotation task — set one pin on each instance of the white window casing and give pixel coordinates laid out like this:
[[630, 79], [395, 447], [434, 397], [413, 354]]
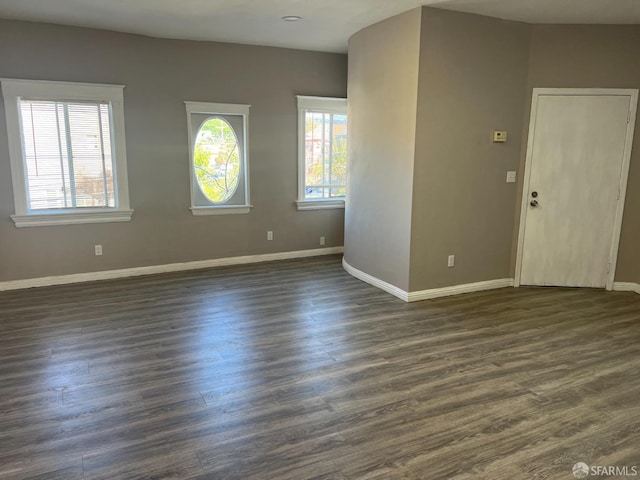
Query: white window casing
[[323, 105], [237, 117], [109, 102]]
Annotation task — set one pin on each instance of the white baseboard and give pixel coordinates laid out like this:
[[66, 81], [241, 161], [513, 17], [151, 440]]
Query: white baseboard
[[626, 287], [458, 289], [426, 294], [376, 282], [171, 267]]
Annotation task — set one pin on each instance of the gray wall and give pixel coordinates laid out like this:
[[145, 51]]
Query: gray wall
[[473, 77], [476, 74], [159, 76], [383, 88], [593, 56]]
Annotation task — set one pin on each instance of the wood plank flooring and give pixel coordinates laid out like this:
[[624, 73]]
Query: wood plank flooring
[[295, 370]]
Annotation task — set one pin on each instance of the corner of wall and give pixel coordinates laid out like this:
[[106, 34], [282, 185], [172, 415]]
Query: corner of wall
[[383, 83], [464, 94]]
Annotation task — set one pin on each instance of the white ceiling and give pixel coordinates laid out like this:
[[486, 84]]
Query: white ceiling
[[326, 24]]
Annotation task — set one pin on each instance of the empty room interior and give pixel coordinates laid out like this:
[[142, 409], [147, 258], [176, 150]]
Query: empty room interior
[[319, 239]]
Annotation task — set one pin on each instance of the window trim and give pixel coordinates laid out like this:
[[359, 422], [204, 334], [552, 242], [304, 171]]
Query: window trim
[[321, 105], [208, 108], [15, 89]]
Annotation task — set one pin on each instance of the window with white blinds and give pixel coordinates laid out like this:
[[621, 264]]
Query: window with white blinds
[[67, 152]]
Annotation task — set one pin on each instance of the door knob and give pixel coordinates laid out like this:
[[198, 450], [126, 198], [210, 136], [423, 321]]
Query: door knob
[[533, 203]]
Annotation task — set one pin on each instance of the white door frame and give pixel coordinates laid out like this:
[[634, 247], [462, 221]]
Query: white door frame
[[537, 93]]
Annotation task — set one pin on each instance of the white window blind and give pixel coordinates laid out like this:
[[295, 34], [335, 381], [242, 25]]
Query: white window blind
[[68, 154]]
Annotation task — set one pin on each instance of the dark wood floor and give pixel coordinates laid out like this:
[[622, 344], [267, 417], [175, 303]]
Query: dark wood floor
[[295, 370]]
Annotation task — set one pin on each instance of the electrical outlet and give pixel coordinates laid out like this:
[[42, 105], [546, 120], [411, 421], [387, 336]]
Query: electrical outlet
[[269, 235], [322, 242], [499, 136], [451, 262], [98, 249]]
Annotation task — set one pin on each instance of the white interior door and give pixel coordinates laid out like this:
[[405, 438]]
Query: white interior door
[[575, 171]]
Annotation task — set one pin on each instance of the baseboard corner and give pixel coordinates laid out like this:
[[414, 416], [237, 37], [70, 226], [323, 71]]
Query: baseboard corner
[[626, 287], [417, 296], [374, 281]]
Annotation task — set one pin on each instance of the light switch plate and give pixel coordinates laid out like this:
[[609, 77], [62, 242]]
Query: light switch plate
[[511, 177]]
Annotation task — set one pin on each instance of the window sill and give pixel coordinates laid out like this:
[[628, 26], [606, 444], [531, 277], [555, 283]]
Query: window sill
[[319, 204], [64, 217], [222, 210]]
